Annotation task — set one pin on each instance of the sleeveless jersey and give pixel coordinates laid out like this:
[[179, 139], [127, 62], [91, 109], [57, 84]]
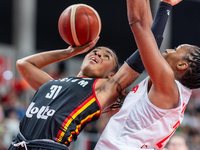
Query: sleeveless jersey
[[60, 109], [141, 125]]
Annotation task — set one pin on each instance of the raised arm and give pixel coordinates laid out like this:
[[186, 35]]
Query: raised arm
[[30, 67], [157, 27], [158, 69], [133, 67]]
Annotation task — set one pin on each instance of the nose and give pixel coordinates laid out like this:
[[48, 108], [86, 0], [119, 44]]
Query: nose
[[168, 50], [98, 53]]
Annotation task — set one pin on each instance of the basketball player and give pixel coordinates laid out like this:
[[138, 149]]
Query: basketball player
[[60, 109], [154, 109]]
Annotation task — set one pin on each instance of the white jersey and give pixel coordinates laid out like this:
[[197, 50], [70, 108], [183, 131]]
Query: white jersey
[[141, 125]]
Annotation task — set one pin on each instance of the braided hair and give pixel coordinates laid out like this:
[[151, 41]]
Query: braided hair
[[191, 78]]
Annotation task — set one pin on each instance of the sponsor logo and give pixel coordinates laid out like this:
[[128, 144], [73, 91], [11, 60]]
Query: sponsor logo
[[41, 113]]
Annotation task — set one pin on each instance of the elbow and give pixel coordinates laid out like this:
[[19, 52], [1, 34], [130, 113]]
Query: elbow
[[134, 21], [20, 64]]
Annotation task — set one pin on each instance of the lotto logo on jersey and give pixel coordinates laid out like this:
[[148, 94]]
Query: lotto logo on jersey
[[41, 113]]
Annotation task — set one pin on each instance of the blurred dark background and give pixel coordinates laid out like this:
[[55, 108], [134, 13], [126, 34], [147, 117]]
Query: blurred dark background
[[116, 33]]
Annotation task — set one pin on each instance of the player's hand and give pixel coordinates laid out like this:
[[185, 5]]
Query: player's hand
[[172, 2], [85, 48]]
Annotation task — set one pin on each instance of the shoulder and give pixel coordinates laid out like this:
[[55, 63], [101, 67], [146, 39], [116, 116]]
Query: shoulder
[[100, 83], [164, 97]]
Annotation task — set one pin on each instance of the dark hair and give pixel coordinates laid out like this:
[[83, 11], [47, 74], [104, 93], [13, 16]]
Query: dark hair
[[116, 60], [191, 78]]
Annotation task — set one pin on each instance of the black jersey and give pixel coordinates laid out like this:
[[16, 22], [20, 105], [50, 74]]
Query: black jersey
[[60, 109]]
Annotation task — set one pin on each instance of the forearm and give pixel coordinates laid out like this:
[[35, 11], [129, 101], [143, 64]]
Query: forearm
[[157, 28], [30, 68], [44, 59], [137, 12], [41, 60], [160, 21], [149, 13]]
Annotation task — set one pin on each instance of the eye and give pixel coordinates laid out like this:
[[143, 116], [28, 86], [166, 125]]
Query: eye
[[107, 56], [175, 48], [95, 52]]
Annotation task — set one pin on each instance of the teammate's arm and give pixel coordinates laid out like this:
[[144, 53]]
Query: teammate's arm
[[30, 67]]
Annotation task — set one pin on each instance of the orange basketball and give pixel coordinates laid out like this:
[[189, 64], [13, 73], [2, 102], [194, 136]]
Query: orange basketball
[[79, 24]]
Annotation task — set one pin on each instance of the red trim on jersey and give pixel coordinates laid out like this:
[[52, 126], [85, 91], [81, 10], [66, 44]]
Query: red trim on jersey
[[160, 144], [73, 115], [184, 106], [78, 127], [96, 96], [77, 109]]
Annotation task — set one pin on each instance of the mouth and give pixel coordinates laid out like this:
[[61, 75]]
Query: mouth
[[93, 59]]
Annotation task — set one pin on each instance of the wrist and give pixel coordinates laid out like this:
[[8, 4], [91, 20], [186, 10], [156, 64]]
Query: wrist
[[69, 52], [167, 2]]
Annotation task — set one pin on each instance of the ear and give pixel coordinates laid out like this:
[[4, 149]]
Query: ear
[[111, 75], [182, 65]]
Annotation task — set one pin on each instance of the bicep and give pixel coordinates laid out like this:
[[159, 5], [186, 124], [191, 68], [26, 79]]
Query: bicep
[[156, 66], [126, 76], [110, 89]]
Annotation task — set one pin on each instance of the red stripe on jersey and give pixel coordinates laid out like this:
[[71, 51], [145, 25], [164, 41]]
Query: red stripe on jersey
[[78, 127], [96, 96], [73, 115], [184, 106]]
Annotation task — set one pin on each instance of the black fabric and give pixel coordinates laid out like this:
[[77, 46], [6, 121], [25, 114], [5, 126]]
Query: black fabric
[[37, 145], [158, 27], [60, 109]]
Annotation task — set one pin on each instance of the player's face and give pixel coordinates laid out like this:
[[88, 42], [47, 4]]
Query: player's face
[[173, 56], [99, 63], [177, 143]]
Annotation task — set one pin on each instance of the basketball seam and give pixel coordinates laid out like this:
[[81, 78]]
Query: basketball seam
[[97, 15], [60, 27], [73, 25], [88, 23]]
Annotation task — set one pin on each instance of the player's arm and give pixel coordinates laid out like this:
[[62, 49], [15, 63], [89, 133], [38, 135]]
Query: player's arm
[[158, 69], [133, 67], [157, 27], [30, 67]]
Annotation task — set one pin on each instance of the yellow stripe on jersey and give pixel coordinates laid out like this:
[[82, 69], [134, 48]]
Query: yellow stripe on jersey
[[75, 113]]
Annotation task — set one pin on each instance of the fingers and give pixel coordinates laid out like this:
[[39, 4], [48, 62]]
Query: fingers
[[97, 38], [86, 47], [91, 44], [172, 2]]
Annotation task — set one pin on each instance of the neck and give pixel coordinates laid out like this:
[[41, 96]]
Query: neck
[[81, 75]]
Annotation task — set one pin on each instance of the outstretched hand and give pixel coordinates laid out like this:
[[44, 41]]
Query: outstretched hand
[[172, 2], [82, 49]]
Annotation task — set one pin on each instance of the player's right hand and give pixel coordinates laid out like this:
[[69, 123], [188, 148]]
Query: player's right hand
[[85, 48]]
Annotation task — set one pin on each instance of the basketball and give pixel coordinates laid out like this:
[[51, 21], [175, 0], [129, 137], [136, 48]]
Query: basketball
[[79, 24]]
